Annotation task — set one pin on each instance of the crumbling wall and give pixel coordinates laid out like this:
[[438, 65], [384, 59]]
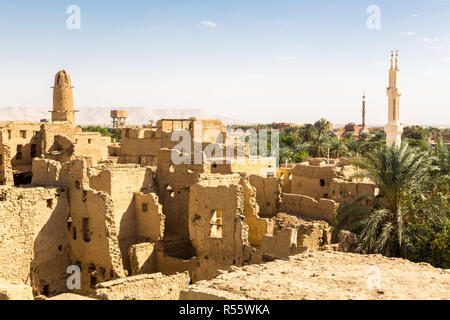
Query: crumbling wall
[[309, 207], [62, 149], [200, 131], [142, 258], [121, 182], [285, 175], [313, 181], [168, 265], [51, 173], [215, 203], [33, 235], [150, 220], [143, 287], [280, 245], [264, 166], [139, 146], [50, 130], [124, 184], [79, 144], [173, 181], [347, 191], [94, 232], [6, 172], [91, 144], [19, 143], [257, 227], [293, 234], [268, 194]]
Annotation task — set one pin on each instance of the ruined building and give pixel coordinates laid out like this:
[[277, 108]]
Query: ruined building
[[146, 215]]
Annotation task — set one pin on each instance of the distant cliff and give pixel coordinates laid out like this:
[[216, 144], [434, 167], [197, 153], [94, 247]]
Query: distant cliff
[[100, 116]]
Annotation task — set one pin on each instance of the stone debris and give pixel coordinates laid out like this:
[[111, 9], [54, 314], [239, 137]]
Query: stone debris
[[153, 286], [15, 291], [325, 275]]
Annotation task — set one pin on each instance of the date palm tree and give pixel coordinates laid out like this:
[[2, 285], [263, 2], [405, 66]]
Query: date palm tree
[[307, 133], [338, 148], [322, 126], [320, 145], [403, 177], [440, 171], [354, 146]]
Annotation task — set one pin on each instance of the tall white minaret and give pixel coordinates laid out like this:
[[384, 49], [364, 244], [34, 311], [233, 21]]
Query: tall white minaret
[[394, 128]]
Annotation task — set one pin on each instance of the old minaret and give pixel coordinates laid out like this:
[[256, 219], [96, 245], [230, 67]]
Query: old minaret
[[363, 111], [63, 99], [394, 128]]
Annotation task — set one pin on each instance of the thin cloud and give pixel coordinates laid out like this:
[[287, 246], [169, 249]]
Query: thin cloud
[[208, 24], [447, 60], [414, 15]]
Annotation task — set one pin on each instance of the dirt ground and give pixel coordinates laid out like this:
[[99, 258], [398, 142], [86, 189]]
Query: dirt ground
[[327, 275]]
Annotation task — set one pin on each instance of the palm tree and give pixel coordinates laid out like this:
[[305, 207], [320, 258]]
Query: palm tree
[[338, 148], [322, 126], [307, 133], [402, 176], [363, 136], [440, 171], [286, 154], [294, 154], [320, 145], [354, 146], [433, 132]]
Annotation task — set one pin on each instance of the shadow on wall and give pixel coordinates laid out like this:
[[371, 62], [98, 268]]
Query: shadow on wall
[[51, 250], [127, 234], [23, 156]]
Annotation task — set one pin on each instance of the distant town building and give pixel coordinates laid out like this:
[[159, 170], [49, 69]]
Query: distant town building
[[351, 127], [284, 125]]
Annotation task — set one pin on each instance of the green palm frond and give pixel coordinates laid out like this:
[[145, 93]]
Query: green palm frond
[[414, 199]]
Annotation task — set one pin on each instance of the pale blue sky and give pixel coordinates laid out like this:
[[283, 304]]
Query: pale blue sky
[[251, 60]]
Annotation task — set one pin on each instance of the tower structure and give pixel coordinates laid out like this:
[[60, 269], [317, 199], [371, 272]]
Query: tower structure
[[364, 110], [119, 118], [394, 128], [363, 120], [63, 110]]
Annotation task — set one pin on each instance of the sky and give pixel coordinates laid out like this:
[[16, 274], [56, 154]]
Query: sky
[[250, 60]]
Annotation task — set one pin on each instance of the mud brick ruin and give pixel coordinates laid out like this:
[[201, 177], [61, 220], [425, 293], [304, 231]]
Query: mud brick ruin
[[141, 226]]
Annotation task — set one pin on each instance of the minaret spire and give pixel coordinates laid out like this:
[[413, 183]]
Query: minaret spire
[[393, 129], [364, 110], [392, 60], [396, 60]]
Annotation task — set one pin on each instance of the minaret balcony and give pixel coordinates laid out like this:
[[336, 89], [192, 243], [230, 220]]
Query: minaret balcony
[[394, 92]]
